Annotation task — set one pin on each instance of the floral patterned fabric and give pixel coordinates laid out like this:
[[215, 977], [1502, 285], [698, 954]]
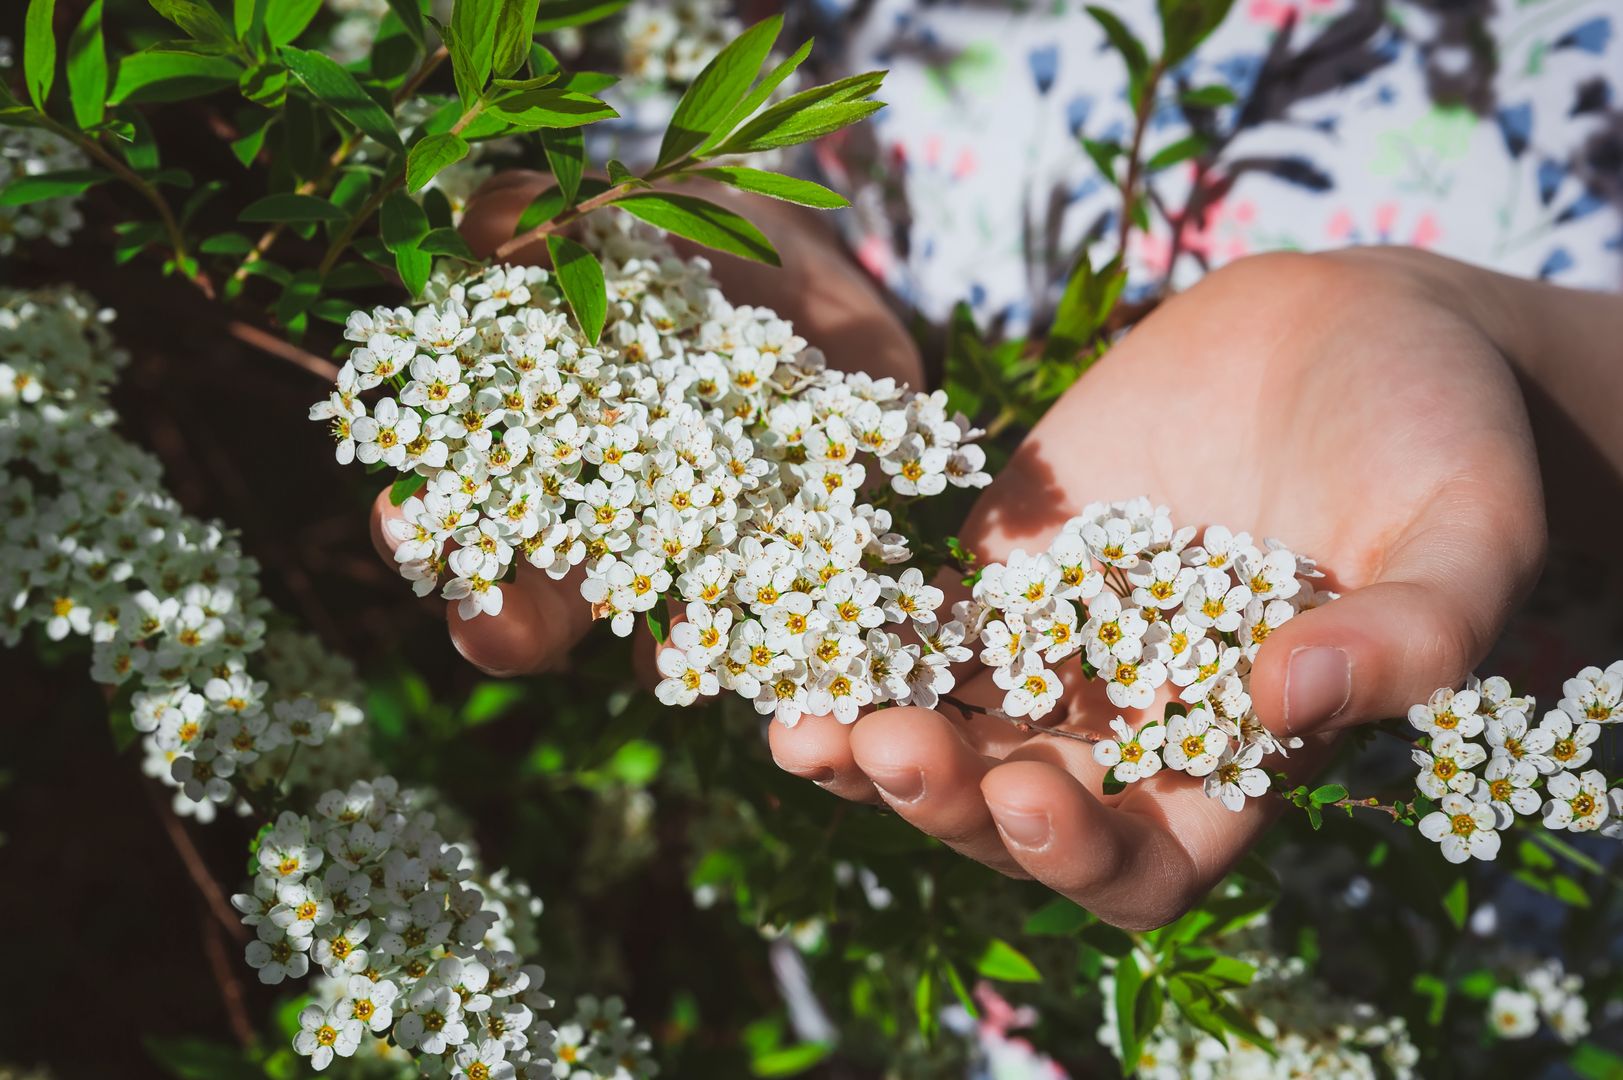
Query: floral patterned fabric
[[1488, 130]]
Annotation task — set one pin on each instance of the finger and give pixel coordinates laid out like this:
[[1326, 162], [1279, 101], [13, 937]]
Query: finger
[[1437, 607], [540, 620], [927, 773], [1126, 866], [818, 748]]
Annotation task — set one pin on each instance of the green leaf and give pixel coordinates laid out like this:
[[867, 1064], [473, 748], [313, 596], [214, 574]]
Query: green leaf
[[619, 175], [1129, 981], [777, 186], [1182, 150], [789, 1061], [566, 157], [1208, 97], [337, 89], [1004, 962], [401, 221], [551, 108], [413, 264], [229, 243], [410, 14], [580, 276], [161, 75], [248, 17], [1186, 23], [636, 763], [447, 241], [658, 617], [52, 185], [1122, 40], [1568, 891], [717, 89], [807, 115], [550, 203], [515, 31], [288, 206], [1327, 793], [959, 990], [404, 488], [1073, 323], [1057, 918], [488, 700], [473, 22], [39, 51], [285, 20], [559, 14], [755, 98], [1457, 902], [700, 221], [1103, 155], [87, 68], [264, 84], [200, 21], [1594, 1062], [431, 154], [198, 1059]]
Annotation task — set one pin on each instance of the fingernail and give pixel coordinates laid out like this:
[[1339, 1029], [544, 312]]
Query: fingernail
[[817, 776], [1318, 684], [904, 784], [1026, 830]]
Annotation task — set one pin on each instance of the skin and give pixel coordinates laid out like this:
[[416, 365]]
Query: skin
[[1361, 406]]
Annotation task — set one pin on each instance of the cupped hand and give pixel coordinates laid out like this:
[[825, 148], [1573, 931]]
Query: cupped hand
[[1341, 403], [828, 298]]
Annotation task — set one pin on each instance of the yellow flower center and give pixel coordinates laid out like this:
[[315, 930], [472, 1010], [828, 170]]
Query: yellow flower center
[[1462, 825], [1194, 745]]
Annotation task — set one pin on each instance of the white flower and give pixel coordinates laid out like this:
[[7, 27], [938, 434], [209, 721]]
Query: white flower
[[1572, 746], [1449, 711], [369, 1003], [1218, 548], [486, 1061], [1513, 1013], [324, 1034], [1507, 787], [1577, 803], [1447, 766], [1193, 743], [1508, 737], [434, 1020], [1161, 582], [1133, 678], [1464, 828], [1594, 695], [1237, 778], [1033, 690], [1112, 631], [276, 956], [684, 682], [1132, 756], [1215, 602]]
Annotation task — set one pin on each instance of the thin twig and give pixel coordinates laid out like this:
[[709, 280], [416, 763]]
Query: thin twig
[[224, 967], [1023, 725], [267, 342], [198, 870], [1129, 183], [581, 209]]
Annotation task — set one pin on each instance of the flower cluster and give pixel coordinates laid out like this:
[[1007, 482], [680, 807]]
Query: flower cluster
[[671, 42], [1313, 1030], [1548, 992], [1486, 765], [700, 454], [1143, 606], [412, 938], [29, 151]]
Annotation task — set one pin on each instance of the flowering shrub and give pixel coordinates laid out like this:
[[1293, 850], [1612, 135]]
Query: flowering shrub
[[777, 522]]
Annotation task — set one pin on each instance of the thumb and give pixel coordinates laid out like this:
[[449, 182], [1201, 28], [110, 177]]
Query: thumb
[[1438, 607]]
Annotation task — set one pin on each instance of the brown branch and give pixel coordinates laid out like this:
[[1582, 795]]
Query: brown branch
[[267, 342], [197, 869], [1023, 725], [1129, 183], [224, 967]]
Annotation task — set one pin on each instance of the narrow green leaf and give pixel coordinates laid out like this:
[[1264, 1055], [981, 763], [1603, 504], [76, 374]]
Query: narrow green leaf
[[337, 89], [1209, 97], [550, 203], [657, 618], [1129, 981], [288, 206], [405, 487], [515, 31], [248, 17], [429, 155], [447, 241], [806, 115], [580, 276], [200, 21], [87, 68], [1122, 40], [1073, 323], [410, 14], [552, 108], [1057, 918], [1186, 23], [474, 24], [755, 99], [717, 89], [959, 990], [1180, 151], [1004, 962], [52, 185], [559, 14], [777, 186], [285, 20], [566, 156], [619, 174], [39, 51], [1327, 793], [401, 221], [701, 221], [160, 75], [413, 264], [1457, 902], [226, 244], [789, 1061], [1103, 155]]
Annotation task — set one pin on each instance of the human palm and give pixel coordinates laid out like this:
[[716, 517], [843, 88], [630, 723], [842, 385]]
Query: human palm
[[1327, 401]]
